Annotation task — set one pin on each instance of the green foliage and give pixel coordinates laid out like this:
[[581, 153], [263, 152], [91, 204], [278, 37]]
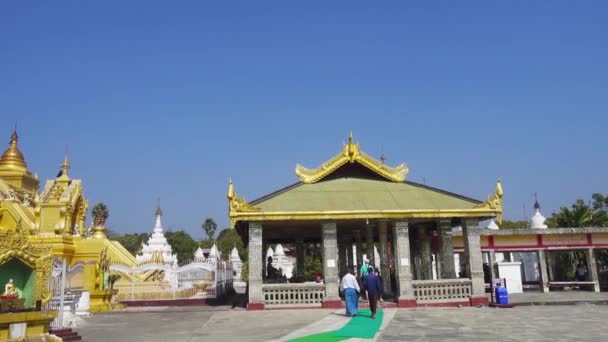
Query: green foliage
[[313, 261], [206, 243], [132, 242], [227, 239], [506, 224], [182, 245], [579, 215], [245, 271], [100, 214], [209, 226]]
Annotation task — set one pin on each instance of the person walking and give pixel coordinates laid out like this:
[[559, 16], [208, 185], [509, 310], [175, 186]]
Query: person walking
[[362, 274], [371, 283], [350, 287]]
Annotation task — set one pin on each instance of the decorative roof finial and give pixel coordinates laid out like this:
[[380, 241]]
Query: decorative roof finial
[[230, 189], [536, 204], [65, 166], [159, 211]]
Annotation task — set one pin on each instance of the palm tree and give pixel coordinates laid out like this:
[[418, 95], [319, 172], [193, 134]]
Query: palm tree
[[100, 214], [209, 227], [581, 215]]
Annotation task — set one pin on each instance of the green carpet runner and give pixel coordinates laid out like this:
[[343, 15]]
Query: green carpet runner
[[360, 326]]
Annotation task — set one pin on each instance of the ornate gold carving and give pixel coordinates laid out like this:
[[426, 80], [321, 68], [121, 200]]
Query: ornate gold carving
[[351, 152], [16, 244], [494, 202], [101, 267], [236, 203]]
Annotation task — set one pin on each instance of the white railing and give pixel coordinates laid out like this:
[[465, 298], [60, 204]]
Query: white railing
[[444, 290], [293, 294]]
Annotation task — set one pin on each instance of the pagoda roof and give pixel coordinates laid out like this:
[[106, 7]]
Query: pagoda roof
[[353, 185], [360, 194]]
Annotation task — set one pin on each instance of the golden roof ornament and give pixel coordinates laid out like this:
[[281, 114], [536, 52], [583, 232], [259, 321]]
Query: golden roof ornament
[[494, 201], [237, 204], [12, 158], [352, 153]]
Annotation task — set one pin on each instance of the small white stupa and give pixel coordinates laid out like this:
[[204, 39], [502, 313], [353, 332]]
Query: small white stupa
[[157, 244], [199, 255], [236, 262], [214, 254], [538, 220], [492, 225], [280, 260]]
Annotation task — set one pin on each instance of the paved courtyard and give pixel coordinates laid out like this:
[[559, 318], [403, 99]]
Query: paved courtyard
[[584, 322]]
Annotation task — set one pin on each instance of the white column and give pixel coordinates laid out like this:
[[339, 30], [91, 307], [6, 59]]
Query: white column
[[403, 271], [330, 256], [472, 245], [542, 268], [592, 269], [256, 260]]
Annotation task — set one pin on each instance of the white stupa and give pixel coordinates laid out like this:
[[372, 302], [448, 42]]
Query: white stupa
[[280, 260], [157, 243], [237, 263], [492, 225], [538, 220], [199, 255]]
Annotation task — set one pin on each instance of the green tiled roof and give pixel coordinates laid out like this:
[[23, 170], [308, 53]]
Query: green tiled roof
[[356, 194]]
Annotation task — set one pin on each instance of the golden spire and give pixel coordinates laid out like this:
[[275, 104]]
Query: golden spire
[[65, 166], [12, 158]]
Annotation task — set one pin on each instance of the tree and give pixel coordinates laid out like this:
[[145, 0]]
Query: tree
[[506, 224], [582, 215], [100, 214], [228, 239], [131, 242], [209, 227], [182, 245]]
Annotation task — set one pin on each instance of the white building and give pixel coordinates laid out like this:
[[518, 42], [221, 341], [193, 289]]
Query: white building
[[157, 242]]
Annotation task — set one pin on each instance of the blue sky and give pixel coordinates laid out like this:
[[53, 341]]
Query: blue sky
[[170, 99]]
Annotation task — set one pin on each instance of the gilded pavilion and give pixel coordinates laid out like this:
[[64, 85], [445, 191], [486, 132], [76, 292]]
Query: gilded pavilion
[[50, 223], [353, 198]]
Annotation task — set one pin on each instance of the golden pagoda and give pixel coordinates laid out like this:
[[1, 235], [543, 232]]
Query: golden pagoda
[[51, 223]]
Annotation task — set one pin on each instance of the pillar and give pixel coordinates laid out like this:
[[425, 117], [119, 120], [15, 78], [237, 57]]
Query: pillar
[[330, 269], [542, 270], [472, 247], [359, 243], [300, 256], [369, 234], [491, 262], [342, 257], [348, 240], [426, 261], [592, 269], [256, 262], [404, 292], [384, 271], [446, 253]]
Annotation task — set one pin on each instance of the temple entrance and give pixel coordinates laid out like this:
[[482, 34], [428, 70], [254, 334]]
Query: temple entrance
[[23, 277]]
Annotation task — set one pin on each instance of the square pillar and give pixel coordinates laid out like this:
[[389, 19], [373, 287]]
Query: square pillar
[[404, 292], [472, 247], [300, 258], [446, 254], [542, 270], [256, 261], [330, 266], [359, 242], [592, 269], [426, 259], [491, 262], [342, 256], [348, 241], [369, 234], [386, 277]]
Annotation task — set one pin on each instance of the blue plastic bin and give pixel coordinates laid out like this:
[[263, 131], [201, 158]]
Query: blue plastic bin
[[502, 296]]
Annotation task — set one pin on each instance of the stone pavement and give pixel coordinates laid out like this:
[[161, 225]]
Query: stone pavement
[[584, 322]]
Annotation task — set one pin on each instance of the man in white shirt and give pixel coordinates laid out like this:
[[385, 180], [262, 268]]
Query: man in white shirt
[[350, 287]]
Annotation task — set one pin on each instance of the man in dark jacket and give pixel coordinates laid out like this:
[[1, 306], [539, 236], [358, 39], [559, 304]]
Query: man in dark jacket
[[371, 283]]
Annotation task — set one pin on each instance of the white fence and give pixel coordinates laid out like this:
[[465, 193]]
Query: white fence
[[293, 294], [197, 279], [441, 291]]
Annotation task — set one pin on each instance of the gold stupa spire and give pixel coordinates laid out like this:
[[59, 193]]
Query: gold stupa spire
[[65, 166], [12, 158]]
